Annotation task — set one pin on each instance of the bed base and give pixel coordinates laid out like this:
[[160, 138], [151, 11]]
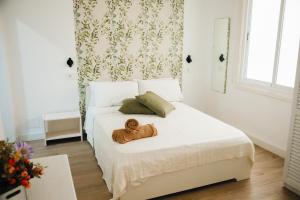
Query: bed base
[[178, 181], [169, 183]]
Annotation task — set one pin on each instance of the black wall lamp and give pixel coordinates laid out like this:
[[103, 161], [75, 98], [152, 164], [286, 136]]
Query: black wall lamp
[[188, 59], [70, 62]]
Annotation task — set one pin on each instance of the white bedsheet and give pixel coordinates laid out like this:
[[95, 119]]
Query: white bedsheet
[[91, 113], [186, 138]]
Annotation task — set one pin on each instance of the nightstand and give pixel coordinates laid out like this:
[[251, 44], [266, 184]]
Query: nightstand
[[62, 125]]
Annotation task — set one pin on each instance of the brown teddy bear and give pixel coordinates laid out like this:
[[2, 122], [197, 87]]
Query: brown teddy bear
[[133, 131]]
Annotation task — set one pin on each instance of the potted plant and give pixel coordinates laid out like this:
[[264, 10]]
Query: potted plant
[[16, 169]]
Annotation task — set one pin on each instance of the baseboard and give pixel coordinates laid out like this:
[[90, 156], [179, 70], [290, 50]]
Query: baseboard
[[32, 135], [270, 147]]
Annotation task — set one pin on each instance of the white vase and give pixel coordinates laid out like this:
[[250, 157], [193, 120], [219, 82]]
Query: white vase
[[17, 193]]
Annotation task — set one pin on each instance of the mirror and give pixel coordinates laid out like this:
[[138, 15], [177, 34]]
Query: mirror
[[220, 54]]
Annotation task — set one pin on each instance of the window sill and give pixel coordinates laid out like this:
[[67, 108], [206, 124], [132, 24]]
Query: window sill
[[278, 92]]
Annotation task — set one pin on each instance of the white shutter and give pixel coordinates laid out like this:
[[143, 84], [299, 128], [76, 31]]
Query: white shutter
[[292, 162]]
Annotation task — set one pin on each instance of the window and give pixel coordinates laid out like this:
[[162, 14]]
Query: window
[[273, 35]]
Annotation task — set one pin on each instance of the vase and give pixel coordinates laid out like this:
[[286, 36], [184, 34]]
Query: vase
[[17, 193]]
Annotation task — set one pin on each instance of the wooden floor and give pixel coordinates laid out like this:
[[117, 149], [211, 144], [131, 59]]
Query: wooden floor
[[265, 183]]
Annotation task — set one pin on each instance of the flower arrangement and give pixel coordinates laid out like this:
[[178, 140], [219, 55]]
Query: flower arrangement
[[15, 166]]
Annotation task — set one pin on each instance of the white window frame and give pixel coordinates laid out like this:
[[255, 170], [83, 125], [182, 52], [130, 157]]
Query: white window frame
[[268, 89]]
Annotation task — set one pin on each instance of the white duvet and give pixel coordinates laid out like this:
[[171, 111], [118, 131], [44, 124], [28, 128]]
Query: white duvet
[[186, 138]]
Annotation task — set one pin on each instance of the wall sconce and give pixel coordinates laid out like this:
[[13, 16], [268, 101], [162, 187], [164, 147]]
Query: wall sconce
[[70, 62], [188, 59]]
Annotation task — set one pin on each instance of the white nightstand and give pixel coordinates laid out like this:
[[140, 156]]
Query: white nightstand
[[62, 125]]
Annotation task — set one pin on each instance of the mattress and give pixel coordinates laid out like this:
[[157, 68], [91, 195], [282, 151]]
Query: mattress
[[186, 138]]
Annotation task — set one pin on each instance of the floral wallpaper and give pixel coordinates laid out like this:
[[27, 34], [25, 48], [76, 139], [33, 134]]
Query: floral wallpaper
[[127, 39]]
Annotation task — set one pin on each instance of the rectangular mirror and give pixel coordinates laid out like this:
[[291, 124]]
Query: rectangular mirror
[[220, 54]]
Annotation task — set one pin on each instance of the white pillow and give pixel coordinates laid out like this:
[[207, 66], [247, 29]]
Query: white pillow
[[169, 89], [106, 94]]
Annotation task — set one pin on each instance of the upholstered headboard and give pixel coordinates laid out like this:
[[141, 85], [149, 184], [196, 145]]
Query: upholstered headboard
[[87, 97]]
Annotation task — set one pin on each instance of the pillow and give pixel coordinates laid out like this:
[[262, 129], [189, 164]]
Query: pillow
[[155, 103], [132, 106], [106, 94], [169, 89]]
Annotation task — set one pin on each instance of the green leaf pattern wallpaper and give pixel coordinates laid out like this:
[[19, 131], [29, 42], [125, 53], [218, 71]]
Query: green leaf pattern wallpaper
[[127, 39]]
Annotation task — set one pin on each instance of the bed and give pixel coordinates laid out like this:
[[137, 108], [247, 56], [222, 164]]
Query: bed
[[191, 150]]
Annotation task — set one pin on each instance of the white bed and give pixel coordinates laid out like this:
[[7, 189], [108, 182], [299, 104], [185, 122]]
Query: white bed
[[191, 150]]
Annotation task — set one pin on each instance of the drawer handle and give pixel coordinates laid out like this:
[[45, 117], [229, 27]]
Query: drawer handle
[[13, 194]]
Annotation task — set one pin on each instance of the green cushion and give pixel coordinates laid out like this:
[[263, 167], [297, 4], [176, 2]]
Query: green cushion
[[155, 103], [132, 106]]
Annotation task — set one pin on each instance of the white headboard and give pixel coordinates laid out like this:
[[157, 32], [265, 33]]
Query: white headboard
[[88, 98]]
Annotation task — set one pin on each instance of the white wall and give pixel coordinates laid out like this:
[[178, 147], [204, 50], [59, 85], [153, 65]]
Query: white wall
[[263, 118], [40, 38], [6, 108]]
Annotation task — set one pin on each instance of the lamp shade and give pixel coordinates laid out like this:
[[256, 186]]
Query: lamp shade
[[2, 136]]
